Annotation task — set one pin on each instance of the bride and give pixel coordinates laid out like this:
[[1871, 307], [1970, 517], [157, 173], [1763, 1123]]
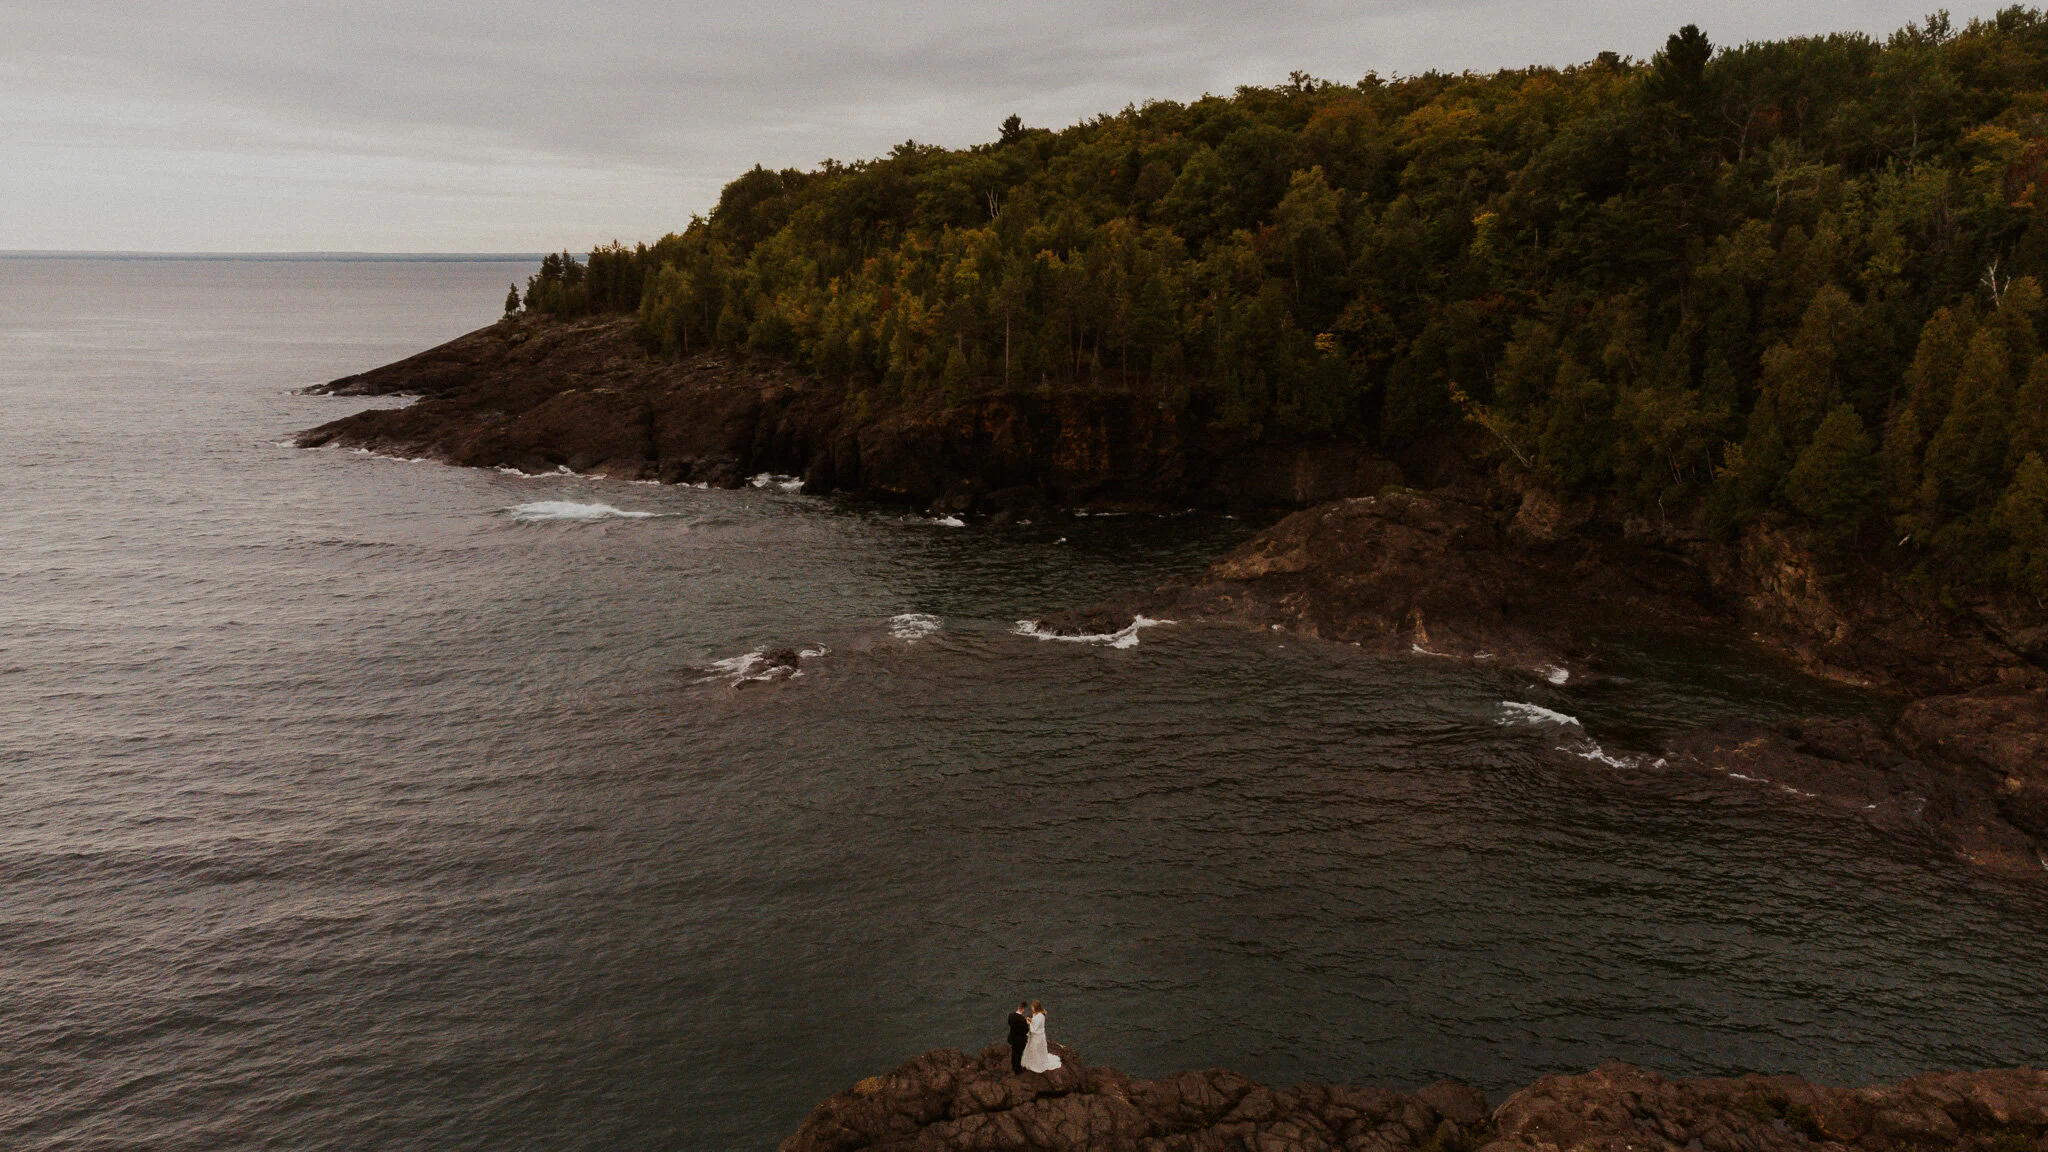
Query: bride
[[1036, 1058]]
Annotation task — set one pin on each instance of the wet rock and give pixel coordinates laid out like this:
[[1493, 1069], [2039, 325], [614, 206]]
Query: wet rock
[[1858, 766], [1997, 736], [946, 1101], [1439, 573], [1459, 1103]]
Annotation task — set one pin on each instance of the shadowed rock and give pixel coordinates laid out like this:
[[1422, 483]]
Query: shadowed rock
[[538, 394], [946, 1101]]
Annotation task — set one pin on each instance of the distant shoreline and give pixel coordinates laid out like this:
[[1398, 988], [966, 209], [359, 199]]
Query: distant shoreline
[[281, 257]]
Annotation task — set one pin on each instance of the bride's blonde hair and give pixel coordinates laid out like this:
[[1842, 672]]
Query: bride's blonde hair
[[1037, 1009]]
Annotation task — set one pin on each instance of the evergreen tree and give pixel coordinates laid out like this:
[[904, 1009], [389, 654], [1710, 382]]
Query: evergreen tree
[[1931, 377], [1902, 442], [512, 300], [2030, 416], [2022, 515], [1837, 479], [1966, 458]]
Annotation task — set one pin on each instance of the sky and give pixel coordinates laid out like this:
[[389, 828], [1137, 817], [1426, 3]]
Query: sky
[[534, 125]]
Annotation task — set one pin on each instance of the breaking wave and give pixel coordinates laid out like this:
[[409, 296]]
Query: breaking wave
[[566, 511], [778, 481], [1515, 712], [760, 666], [1125, 637], [914, 625]]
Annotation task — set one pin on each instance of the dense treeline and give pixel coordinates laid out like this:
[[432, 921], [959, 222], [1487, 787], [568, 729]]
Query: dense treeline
[[1793, 279]]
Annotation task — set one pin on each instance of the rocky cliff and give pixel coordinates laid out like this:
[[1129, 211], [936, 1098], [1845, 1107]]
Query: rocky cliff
[[946, 1101], [538, 395], [1480, 572]]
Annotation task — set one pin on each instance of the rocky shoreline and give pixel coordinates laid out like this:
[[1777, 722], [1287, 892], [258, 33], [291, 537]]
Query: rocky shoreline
[[947, 1101], [1477, 573], [1481, 566], [539, 395]]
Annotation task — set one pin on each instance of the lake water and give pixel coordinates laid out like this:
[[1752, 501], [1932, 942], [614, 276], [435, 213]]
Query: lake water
[[343, 807]]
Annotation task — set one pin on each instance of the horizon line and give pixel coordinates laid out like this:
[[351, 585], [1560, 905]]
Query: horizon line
[[311, 254]]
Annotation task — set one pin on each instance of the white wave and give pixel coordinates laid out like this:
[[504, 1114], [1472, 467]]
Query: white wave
[[1514, 712], [1592, 751], [749, 668], [778, 481], [565, 511], [755, 667], [914, 625], [950, 522], [1553, 673], [1125, 637]]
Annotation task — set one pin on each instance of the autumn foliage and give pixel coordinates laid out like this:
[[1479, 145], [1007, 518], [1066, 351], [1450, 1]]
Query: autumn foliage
[[1796, 279]]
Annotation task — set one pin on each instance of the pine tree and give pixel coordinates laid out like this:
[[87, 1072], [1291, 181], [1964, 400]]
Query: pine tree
[[1837, 479], [2018, 306], [512, 300], [1902, 442], [1929, 381], [2022, 514], [1966, 459], [2030, 416]]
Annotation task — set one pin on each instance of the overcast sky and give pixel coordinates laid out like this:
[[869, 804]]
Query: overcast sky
[[525, 125]]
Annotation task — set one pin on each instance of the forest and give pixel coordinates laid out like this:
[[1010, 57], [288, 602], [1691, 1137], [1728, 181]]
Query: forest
[[1797, 281]]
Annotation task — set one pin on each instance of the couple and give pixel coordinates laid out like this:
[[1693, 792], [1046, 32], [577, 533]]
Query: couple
[[1027, 1039]]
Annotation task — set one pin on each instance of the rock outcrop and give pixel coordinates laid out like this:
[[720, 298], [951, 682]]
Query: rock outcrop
[[946, 1101], [1475, 572], [538, 395]]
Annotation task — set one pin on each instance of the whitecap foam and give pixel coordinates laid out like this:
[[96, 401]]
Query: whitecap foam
[[570, 512], [914, 625], [1125, 637], [1515, 712], [1592, 751], [1553, 673], [950, 522], [778, 481], [749, 668], [755, 667]]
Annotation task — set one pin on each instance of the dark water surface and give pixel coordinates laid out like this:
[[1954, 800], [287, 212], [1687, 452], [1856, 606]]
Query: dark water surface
[[341, 808]]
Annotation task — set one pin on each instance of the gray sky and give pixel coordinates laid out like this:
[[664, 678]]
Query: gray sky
[[522, 125]]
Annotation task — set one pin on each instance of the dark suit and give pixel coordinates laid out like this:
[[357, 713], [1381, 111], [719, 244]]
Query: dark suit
[[1020, 1032]]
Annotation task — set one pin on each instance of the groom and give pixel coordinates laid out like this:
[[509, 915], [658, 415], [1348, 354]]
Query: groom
[[1020, 1032]]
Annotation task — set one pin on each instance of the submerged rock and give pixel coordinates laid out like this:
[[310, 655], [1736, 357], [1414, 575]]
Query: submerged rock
[[947, 1101]]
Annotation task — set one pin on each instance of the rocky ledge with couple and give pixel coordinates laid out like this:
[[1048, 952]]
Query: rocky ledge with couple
[[1028, 1052]]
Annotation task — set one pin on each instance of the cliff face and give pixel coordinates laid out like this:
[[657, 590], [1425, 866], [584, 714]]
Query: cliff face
[[945, 1101], [538, 395]]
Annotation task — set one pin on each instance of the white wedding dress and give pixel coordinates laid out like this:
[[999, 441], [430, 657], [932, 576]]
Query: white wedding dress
[[1036, 1058]]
